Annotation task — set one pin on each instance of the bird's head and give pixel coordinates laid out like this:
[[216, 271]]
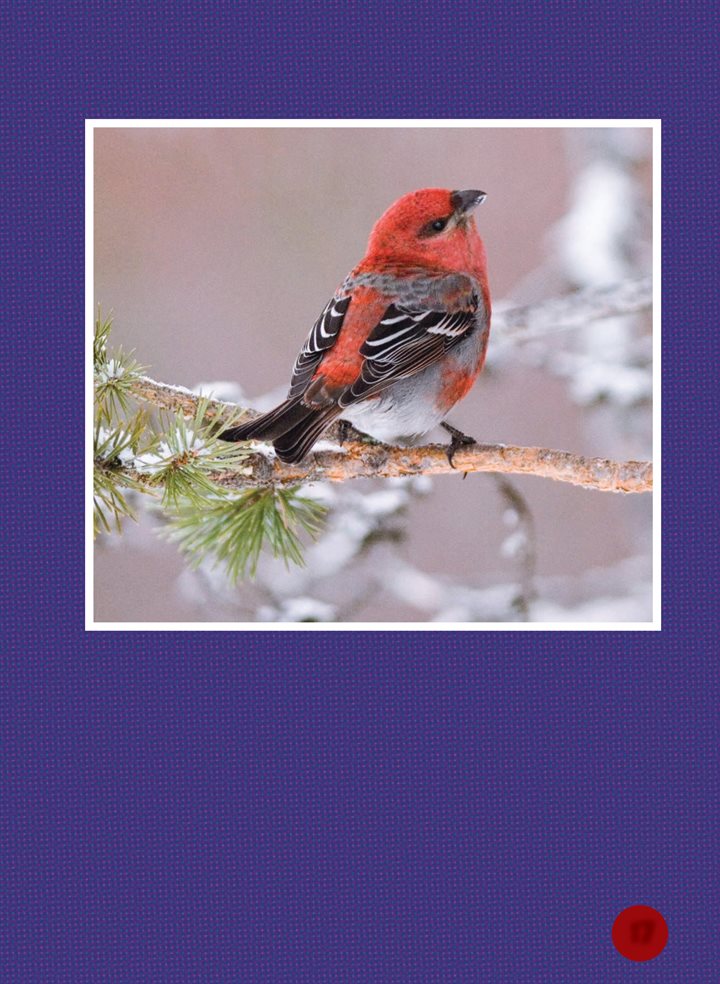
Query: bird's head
[[433, 227]]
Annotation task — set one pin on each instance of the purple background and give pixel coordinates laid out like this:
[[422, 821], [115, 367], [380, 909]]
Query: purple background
[[343, 807]]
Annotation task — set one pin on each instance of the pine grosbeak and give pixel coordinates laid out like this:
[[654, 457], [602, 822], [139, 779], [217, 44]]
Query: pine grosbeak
[[403, 338]]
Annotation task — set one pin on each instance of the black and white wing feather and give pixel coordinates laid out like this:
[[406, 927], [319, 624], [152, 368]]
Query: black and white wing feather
[[322, 337], [406, 341]]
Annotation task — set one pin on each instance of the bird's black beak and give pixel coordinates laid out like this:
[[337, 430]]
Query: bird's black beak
[[465, 201]]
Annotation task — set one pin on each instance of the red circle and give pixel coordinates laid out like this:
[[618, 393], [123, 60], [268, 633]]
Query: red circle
[[640, 933]]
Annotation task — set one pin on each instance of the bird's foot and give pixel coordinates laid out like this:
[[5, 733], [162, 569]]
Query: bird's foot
[[458, 440]]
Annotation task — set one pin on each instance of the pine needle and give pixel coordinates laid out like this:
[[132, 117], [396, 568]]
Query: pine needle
[[113, 447], [114, 374], [236, 530]]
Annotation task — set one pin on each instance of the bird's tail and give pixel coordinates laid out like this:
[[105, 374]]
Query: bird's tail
[[293, 427]]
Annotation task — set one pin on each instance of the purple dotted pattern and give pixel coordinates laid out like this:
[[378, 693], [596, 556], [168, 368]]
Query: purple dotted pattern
[[343, 807]]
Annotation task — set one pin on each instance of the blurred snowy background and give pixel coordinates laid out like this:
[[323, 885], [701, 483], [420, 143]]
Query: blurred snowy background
[[216, 249]]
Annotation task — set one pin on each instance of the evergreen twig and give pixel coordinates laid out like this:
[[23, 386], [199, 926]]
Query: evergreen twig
[[183, 463]]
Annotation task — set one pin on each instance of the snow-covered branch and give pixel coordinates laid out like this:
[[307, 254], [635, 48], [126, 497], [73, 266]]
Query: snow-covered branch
[[574, 310]]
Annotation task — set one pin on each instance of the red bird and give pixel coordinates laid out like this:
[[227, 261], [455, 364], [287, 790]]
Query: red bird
[[402, 340]]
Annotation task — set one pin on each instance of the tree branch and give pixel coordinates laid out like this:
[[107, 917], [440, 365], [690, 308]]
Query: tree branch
[[365, 460], [383, 461], [358, 459], [574, 310]]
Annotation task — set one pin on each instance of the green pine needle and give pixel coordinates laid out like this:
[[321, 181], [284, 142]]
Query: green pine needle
[[112, 448], [114, 374], [100, 339], [188, 457], [109, 505], [236, 530]]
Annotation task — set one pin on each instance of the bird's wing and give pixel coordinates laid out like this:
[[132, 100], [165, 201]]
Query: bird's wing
[[408, 339], [346, 359], [321, 338]]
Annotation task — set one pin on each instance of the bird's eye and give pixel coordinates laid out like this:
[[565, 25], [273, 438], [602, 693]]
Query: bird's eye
[[434, 227]]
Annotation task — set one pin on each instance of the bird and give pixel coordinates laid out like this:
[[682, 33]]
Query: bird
[[402, 339]]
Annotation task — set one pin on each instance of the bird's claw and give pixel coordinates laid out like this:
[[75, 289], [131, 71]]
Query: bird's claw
[[458, 440]]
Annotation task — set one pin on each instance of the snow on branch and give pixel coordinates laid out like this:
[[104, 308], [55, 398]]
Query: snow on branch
[[573, 311]]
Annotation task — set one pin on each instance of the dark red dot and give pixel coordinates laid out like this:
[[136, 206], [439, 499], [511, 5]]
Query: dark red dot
[[640, 933]]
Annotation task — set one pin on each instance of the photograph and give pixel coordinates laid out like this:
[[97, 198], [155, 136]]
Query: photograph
[[372, 374]]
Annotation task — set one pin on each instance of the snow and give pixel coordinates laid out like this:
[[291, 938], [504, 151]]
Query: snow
[[302, 609], [323, 493], [125, 454], [636, 607], [620, 593], [413, 587], [591, 381], [225, 390], [514, 545], [182, 389], [262, 448], [111, 370], [338, 545], [414, 484], [325, 445], [589, 237], [150, 463], [384, 503]]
